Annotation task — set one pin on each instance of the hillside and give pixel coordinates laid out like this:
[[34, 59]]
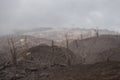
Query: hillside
[[110, 55], [44, 62], [90, 48], [44, 55], [98, 71], [89, 57], [22, 41], [38, 61], [58, 34]]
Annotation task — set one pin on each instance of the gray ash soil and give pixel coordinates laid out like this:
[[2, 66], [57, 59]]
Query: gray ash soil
[[97, 71]]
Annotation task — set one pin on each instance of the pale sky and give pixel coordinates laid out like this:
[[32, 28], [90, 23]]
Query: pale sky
[[28, 14]]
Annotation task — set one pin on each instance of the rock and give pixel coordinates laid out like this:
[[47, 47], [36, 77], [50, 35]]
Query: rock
[[44, 75], [31, 69], [2, 67]]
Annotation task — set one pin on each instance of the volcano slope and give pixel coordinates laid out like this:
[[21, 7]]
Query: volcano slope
[[98, 71], [44, 55], [38, 61], [89, 48], [110, 55], [45, 62], [21, 42]]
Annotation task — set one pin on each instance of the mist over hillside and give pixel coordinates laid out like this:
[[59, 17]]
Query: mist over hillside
[[58, 34]]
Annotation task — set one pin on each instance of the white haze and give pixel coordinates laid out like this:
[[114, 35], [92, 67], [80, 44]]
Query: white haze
[[28, 14]]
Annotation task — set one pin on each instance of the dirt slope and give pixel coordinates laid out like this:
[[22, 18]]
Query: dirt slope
[[44, 55], [110, 55], [99, 71], [21, 42], [89, 48]]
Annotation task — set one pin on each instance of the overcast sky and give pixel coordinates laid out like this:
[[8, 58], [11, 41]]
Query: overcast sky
[[27, 14]]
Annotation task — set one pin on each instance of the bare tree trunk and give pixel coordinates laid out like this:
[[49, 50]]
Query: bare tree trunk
[[76, 42], [67, 41], [52, 45], [26, 43], [109, 56], [69, 62], [67, 54], [96, 32], [13, 51]]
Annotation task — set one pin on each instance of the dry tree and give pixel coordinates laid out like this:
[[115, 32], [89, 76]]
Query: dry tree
[[67, 40], [13, 50], [76, 43], [14, 53], [26, 42], [96, 32], [17, 50], [52, 45], [67, 53], [106, 55]]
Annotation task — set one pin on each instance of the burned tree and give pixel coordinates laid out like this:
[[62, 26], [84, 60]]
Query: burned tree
[[107, 55], [67, 40], [76, 43], [17, 48], [67, 46], [26, 42], [52, 45], [96, 32], [83, 54], [13, 50]]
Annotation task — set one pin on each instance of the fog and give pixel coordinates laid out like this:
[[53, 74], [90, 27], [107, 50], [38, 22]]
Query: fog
[[29, 14]]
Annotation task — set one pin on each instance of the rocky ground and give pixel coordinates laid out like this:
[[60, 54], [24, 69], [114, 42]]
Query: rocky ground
[[97, 71]]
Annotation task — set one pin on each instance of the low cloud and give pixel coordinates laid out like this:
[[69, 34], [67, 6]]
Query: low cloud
[[26, 14]]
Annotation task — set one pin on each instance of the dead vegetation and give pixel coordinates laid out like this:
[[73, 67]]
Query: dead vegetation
[[51, 62], [89, 49]]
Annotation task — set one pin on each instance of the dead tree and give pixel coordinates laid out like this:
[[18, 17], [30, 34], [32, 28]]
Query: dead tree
[[52, 45], [26, 42], [84, 54], [96, 32], [67, 46], [13, 51], [67, 41], [106, 56], [76, 43]]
